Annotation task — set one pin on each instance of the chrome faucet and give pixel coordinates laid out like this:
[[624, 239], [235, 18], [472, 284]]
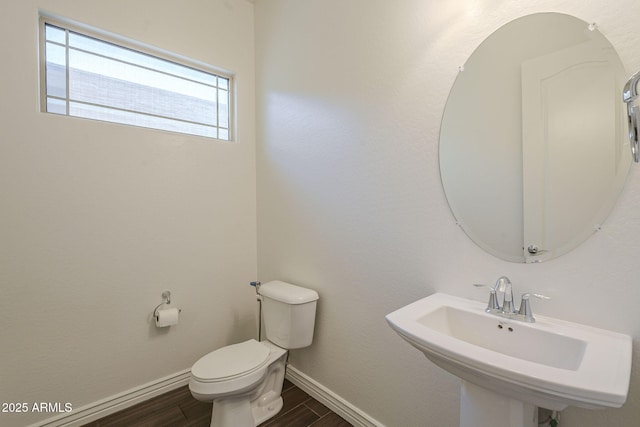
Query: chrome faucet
[[507, 308]]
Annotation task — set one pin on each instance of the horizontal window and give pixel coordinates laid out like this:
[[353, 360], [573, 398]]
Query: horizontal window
[[93, 78]]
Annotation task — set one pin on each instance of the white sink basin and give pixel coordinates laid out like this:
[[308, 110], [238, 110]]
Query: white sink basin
[[550, 363]]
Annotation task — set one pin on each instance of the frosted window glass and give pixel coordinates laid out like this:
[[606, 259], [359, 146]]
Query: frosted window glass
[[56, 106], [56, 71], [56, 34], [132, 118]]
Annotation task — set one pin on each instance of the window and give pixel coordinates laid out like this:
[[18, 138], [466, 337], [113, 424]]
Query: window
[[94, 78]]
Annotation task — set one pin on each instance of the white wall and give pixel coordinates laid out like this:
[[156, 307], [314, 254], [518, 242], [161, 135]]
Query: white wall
[[349, 100], [97, 219]]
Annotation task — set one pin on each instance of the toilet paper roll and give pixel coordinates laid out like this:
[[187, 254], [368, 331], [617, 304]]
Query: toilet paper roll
[[167, 317]]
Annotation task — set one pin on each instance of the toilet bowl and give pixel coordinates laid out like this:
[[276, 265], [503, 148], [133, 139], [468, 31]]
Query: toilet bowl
[[245, 380]]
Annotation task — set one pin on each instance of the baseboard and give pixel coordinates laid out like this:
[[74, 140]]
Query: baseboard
[[331, 400], [118, 402]]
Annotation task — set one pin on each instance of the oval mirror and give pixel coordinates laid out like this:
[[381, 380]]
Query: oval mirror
[[533, 150]]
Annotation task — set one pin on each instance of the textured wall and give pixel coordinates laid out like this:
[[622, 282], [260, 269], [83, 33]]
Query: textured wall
[[349, 100], [97, 219]]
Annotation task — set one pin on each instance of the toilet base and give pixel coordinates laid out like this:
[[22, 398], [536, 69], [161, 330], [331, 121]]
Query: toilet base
[[240, 412], [232, 412], [263, 413], [249, 408]]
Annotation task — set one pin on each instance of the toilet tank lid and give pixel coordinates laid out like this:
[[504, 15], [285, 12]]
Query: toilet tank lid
[[287, 293]]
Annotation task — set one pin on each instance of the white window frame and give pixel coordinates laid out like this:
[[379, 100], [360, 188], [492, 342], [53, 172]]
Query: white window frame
[[85, 30]]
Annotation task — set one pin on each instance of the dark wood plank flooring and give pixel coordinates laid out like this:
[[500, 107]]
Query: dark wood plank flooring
[[178, 408]]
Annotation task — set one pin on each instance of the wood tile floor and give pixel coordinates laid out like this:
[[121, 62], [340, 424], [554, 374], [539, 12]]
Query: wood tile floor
[[178, 408]]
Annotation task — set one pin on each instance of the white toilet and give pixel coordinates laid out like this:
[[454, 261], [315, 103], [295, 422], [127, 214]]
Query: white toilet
[[244, 380]]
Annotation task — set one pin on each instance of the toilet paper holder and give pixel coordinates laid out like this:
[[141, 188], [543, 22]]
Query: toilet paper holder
[[166, 297]]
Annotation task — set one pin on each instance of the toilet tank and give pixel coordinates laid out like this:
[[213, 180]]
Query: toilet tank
[[289, 314]]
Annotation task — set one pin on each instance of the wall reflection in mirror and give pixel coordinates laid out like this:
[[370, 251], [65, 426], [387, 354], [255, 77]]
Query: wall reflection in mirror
[[533, 145]]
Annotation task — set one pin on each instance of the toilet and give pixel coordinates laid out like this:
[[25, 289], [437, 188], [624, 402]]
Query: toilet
[[244, 380]]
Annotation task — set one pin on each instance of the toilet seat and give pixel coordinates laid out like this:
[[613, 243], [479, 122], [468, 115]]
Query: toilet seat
[[231, 362]]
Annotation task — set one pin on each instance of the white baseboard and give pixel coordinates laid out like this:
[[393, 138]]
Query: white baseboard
[[331, 400], [117, 402]]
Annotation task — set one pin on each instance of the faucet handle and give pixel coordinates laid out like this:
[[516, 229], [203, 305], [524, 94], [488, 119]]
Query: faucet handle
[[525, 306], [493, 304]]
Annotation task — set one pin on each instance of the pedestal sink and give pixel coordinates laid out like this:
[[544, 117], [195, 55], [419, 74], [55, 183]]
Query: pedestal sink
[[509, 368]]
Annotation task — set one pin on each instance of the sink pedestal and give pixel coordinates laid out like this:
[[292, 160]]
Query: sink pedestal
[[480, 407]]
